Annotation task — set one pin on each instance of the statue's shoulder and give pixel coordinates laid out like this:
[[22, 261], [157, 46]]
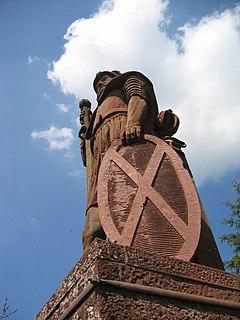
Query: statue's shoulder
[[137, 74], [120, 80]]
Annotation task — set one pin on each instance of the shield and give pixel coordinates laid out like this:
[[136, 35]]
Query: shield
[[148, 200]]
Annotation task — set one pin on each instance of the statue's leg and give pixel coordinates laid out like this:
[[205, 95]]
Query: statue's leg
[[92, 229]]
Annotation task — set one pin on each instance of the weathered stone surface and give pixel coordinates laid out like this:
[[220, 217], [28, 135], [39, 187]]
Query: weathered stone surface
[[143, 195], [128, 265], [147, 199]]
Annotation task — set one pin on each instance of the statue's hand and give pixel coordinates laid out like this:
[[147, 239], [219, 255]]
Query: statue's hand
[[132, 134]]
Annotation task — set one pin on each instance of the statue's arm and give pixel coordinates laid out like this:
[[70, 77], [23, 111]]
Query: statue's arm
[[137, 109], [135, 92]]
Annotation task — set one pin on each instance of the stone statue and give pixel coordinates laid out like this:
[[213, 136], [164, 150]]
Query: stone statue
[[140, 188]]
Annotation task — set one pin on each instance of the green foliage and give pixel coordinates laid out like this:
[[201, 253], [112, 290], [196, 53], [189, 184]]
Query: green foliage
[[233, 238]]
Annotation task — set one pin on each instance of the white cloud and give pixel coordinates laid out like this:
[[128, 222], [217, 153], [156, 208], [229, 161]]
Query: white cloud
[[200, 82], [32, 59], [34, 222], [62, 108], [69, 155], [75, 173], [58, 139], [46, 96]]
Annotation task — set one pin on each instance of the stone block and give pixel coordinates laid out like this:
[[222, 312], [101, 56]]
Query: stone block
[[115, 282]]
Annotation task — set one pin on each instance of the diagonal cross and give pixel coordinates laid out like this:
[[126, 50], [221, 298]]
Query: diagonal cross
[[145, 190]]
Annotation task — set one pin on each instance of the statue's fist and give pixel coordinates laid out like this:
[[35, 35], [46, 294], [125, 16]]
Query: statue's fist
[[132, 134]]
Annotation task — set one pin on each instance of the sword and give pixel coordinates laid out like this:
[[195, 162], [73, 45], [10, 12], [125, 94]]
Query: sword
[[86, 152]]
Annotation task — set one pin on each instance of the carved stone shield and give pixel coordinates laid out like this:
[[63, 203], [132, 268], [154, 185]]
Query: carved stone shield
[[148, 200]]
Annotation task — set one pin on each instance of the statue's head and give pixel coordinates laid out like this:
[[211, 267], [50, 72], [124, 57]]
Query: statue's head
[[102, 79]]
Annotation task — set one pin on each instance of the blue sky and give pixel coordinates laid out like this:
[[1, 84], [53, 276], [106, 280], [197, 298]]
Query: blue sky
[[194, 70]]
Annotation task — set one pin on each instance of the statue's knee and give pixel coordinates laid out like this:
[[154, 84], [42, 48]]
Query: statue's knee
[[92, 229], [93, 223]]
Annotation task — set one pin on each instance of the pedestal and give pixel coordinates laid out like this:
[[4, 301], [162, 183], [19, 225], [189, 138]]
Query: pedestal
[[114, 282]]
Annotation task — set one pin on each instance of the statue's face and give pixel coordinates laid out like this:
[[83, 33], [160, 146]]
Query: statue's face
[[103, 82]]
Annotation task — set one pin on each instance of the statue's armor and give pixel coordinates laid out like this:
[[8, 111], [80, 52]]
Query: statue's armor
[[110, 118], [114, 104], [135, 86]]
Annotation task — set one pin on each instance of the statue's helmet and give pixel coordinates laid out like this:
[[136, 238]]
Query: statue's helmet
[[100, 74]]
